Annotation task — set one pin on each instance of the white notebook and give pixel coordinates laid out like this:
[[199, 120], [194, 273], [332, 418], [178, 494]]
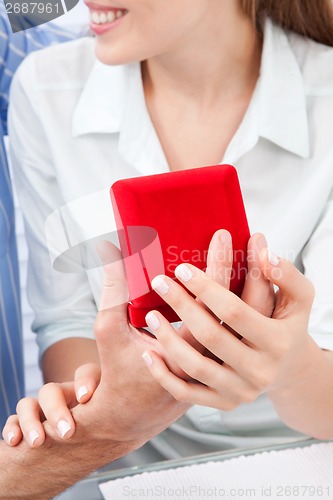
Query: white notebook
[[298, 473]]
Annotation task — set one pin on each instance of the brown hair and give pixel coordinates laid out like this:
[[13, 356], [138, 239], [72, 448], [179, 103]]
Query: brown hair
[[309, 18]]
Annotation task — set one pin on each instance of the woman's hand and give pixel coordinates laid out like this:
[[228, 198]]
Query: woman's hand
[[271, 354], [258, 292], [53, 404]]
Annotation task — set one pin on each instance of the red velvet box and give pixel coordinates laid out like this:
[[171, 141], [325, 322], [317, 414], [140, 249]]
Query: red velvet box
[[166, 219]]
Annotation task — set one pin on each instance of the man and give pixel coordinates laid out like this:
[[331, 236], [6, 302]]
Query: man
[[126, 410], [120, 417], [13, 48]]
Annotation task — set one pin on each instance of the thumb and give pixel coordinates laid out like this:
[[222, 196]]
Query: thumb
[[258, 291], [112, 316], [219, 259], [293, 285], [86, 379], [115, 292], [219, 267]]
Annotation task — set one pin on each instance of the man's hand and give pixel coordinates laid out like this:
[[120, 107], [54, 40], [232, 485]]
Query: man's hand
[[127, 408]]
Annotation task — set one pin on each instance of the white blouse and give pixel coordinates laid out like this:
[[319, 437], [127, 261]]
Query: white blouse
[[77, 125]]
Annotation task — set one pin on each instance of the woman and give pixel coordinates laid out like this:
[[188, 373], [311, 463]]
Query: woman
[[185, 84]]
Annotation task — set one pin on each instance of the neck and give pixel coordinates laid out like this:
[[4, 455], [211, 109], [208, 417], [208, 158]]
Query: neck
[[221, 56]]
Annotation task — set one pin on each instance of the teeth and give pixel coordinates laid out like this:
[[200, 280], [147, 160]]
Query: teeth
[[94, 17], [111, 16], [106, 17]]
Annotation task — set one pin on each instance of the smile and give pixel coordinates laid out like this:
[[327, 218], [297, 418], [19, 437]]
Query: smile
[[106, 17]]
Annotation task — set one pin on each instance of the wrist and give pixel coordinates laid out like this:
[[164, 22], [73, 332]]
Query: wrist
[[298, 368], [102, 433], [56, 465], [299, 401]]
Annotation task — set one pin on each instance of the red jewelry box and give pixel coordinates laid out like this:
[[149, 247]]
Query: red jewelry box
[[166, 219]]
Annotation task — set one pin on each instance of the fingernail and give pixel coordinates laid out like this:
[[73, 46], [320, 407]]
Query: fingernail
[[225, 237], [33, 435], [82, 391], [147, 358], [152, 321], [10, 436], [183, 272], [160, 285], [273, 259], [63, 427], [261, 243]]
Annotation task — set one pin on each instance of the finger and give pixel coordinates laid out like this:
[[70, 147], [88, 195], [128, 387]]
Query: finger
[[112, 315], [53, 400], [203, 326], [86, 379], [29, 416], [224, 304], [12, 433], [181, 390], [115, 292], [258, 291], [220, 258], [293, 285], [219, 267], [201, 368]]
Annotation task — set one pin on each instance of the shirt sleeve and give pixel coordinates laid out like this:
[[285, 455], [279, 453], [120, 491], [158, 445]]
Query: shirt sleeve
[[62, 302], [5, 72], [318, 267], [15, 46]]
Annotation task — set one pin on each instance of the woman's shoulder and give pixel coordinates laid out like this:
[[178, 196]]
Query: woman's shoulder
[[62, 64], [316, 64]]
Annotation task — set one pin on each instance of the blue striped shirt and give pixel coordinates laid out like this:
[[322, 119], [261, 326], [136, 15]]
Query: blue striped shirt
[[13, 48]]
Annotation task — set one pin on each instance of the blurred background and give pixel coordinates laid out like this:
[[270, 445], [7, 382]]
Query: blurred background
[[76, 19]]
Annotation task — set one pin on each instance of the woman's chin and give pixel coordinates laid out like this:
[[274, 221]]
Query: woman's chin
[[107, 54]]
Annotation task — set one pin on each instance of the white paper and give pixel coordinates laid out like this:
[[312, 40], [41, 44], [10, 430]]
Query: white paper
[[302, 473]]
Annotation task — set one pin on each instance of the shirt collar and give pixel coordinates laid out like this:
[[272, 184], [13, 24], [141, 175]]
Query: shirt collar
[[99, 108], [112, 100]]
